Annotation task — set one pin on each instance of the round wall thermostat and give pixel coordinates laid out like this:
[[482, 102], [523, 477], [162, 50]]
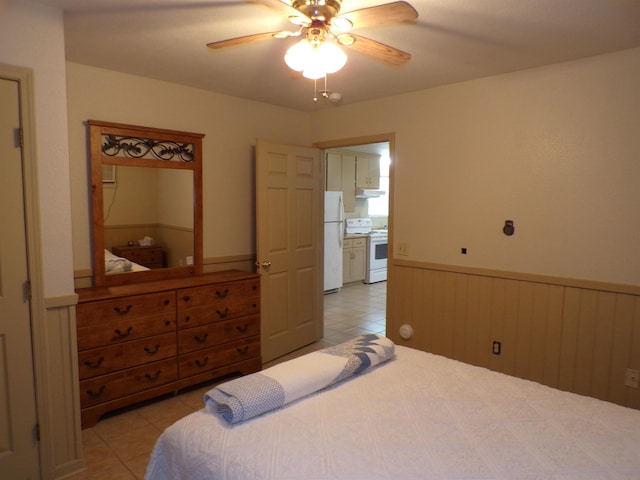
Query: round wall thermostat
[[406, 331]]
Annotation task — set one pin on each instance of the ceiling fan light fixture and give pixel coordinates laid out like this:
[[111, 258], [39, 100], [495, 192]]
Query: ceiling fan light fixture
[[299, 21], [315, 61], [341, 24], [346, 39], [298, 54]]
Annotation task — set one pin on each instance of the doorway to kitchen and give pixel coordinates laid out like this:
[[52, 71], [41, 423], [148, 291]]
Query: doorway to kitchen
[[360, 171]]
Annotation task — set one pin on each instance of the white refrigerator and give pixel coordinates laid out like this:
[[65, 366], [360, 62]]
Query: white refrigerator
[[333, 238]]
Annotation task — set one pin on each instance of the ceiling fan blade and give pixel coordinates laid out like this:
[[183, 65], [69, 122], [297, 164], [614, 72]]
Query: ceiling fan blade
[[388, 13], [232, 42], [378, 50]]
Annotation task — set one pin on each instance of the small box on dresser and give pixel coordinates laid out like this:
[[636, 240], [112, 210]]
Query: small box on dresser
[[140, 341]]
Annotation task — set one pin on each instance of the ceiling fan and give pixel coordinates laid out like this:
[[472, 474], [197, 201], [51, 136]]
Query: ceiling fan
[[323, 30]]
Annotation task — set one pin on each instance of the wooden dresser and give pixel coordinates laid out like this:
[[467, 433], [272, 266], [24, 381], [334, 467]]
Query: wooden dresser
[[140, 341], [150, 257]]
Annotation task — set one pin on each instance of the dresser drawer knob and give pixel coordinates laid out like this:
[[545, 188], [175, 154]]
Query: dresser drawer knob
[[186, 298], [121, 334], [243, 350], [200, 340], [202, 363], [123, 311], [167, 301], [93, 394], [220, 294], [223, 314], [187, 319], [94, 366], [152, 351], [242, 329], [153, 377]]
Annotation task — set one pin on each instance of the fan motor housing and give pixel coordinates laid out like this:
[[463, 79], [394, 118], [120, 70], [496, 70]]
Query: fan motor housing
[[318, 9]]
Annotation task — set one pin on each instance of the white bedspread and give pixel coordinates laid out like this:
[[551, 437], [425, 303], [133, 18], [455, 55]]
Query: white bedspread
[[418, 416]]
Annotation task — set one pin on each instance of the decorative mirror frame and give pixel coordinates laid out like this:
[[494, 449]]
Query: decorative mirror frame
[[130, 145]]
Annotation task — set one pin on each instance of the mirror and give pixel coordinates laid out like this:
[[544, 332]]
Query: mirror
[[146, 203]]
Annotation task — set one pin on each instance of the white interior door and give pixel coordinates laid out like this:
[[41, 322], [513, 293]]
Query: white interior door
[[18, 443], [289, 195]]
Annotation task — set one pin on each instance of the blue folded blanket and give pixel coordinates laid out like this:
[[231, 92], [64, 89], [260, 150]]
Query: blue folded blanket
[[252, 395]]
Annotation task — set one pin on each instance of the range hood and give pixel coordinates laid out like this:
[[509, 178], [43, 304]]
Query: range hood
[[369, 193]]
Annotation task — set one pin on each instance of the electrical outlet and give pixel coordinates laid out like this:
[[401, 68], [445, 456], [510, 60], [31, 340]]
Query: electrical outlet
[[497, 348], [403, 249], [632, 378]]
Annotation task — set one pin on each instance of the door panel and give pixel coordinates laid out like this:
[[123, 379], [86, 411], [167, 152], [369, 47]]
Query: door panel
[[18, 444], [289, 246]]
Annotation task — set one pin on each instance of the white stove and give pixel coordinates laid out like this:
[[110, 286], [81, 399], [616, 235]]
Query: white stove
[[376, 247]]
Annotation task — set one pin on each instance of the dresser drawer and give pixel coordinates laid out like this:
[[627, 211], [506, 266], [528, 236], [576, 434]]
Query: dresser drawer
[[99, 361], [150, 349], [124, 330], [204, 360], [96, 313], [206, 336], [115, 385], [218, 294], [102, 389], [215, 313]]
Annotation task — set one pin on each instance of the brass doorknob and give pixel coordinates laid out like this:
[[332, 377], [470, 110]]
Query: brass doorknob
[[264, 264]]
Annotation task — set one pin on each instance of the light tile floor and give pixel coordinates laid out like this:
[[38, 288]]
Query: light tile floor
[[118, 447]]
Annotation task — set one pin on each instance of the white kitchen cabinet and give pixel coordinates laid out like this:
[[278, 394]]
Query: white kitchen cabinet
[[354, 259], [367, 170], [341, 177]]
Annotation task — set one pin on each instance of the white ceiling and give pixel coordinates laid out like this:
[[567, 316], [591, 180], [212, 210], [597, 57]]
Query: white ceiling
[[452, 41]]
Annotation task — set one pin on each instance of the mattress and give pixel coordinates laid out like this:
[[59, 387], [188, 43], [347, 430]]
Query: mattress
[[417, 416], [114, 264]]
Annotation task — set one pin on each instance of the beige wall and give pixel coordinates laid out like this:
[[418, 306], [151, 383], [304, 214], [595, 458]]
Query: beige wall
[[556, 149], [231, 127], [32, 38], [36, 40]]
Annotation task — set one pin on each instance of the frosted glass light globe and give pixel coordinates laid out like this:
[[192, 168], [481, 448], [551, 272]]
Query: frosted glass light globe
[[315, 61]]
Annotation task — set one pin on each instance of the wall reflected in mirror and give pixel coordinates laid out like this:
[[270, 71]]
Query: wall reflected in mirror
[[157, 203]]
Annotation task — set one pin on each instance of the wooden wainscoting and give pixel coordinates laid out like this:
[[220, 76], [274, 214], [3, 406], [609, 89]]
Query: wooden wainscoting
[[574, 335]]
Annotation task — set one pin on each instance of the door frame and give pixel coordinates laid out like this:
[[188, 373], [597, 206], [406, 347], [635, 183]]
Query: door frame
[[389, 137], [25, 79]]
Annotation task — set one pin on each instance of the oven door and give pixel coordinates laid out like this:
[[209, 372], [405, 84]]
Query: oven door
[[377, 259]]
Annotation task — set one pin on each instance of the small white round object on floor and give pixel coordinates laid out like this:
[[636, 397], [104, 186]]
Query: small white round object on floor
[[406, 331]]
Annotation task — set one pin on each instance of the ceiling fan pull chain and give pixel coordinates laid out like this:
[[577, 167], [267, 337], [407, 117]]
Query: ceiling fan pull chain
[[315, 90]]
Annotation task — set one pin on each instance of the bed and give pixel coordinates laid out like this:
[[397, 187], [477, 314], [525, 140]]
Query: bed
[[115, 264], [415, 416]]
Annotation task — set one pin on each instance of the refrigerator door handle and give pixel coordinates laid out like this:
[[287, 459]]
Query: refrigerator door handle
[[340, 235]]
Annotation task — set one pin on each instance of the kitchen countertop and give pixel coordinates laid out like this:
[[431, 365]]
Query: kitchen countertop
[[349, 236]]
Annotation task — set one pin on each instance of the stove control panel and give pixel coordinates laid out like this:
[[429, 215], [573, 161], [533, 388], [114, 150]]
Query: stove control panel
[[358, 226]]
